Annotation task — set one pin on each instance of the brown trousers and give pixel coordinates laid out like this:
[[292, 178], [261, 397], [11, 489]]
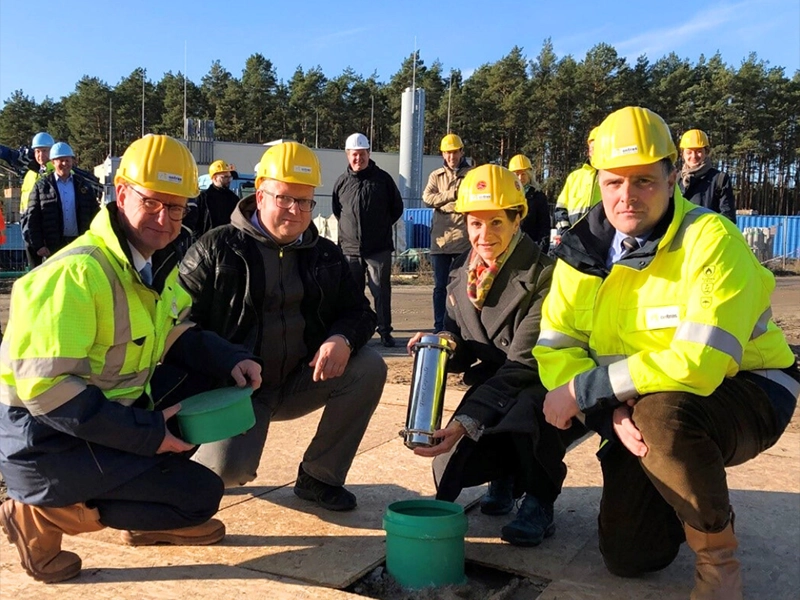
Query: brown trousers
[[691, 439]]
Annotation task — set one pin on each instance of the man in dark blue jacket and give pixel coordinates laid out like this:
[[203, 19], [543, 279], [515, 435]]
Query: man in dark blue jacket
[[61, 206], [367, 203]]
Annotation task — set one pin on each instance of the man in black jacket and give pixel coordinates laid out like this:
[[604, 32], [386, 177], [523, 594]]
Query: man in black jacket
[[61, 206], [367, 203], [215, 204], [270, 282]]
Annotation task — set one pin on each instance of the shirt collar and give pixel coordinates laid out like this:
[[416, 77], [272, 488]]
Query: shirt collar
[[139, 261]]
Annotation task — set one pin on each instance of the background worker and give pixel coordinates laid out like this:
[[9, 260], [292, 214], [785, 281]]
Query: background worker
[[215, 204], [270, 282], [498, 433], [99, 338], [537, 223], [367, 203], [61, 206], [580, 192], [448, 230], [658, 328], [699, 181], [41, 144]]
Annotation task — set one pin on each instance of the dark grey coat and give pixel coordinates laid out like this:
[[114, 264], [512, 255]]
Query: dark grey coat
[[494, 351]]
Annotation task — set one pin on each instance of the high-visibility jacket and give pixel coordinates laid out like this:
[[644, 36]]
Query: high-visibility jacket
[[28, 182], [687, 309], [580, 193], [47, 360]]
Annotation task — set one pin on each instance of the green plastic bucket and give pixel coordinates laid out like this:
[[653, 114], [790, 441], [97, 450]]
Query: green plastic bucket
[[216, 415], [425, 542]]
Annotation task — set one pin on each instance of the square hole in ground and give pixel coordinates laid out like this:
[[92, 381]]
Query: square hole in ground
[[483, 583]]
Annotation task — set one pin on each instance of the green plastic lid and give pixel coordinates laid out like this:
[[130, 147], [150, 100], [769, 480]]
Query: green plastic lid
[[216, 415]]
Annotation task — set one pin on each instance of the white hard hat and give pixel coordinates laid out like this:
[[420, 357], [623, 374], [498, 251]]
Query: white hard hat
[[357, 141]]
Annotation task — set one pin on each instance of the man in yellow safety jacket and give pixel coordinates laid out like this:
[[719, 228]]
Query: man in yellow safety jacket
[[658, 329], [84, 408], [579, 194]]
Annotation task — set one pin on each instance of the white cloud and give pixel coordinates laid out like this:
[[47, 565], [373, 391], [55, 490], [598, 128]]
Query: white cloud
[[657, 42], [338, 36]]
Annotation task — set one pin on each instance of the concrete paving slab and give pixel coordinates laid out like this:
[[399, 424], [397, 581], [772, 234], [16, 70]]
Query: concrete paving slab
[[282, 535], [162, 582], [763, 493], [287, 441]]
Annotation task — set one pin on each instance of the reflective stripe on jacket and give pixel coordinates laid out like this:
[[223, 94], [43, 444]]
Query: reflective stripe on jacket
[[681, 313], [580, 193], [48, 359]]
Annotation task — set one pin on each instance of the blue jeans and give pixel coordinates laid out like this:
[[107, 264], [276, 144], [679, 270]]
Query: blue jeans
[[441, 274]]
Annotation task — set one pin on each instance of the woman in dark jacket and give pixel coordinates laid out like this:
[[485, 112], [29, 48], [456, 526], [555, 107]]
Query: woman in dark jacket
[[537, 223], [494, 298]]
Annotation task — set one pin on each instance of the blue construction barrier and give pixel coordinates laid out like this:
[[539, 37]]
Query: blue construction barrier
[[786, 237], [418, 227]]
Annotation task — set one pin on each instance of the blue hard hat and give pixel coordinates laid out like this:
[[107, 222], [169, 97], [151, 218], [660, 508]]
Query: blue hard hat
[[60, 150], [42, 140]]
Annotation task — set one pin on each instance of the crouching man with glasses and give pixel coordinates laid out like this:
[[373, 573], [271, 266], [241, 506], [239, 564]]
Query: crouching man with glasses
[[268, 281]]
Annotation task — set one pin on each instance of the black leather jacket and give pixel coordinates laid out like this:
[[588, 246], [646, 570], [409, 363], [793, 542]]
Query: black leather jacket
[[224, 273]]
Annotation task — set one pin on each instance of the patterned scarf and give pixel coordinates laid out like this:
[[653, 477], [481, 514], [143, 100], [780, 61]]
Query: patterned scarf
[[688, 172], [480, 276]]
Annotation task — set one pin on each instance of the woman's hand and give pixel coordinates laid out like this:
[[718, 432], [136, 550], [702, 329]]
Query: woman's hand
[[448, 437]]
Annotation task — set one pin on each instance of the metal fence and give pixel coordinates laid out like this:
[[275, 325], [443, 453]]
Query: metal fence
[[781, 233]]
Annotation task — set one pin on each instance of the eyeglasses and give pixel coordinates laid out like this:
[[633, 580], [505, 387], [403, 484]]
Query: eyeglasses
[[152, 206], [284, 201]]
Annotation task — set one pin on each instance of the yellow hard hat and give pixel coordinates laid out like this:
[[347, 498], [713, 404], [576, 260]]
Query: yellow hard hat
[[519, 162], [632, 136], [219, 166], [592, 135], [451, 142], [159, 163], [694, 138], [290, 162], [490, 187]]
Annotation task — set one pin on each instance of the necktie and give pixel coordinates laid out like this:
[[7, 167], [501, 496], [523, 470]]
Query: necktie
[[629, 244], [146, 273]]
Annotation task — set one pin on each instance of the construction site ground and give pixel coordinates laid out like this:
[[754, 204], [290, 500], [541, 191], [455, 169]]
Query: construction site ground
[[278, 546]]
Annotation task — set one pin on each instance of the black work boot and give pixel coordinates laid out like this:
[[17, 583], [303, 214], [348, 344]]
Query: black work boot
[[499, 500], [387, 340], [533, 523], [330, 497]]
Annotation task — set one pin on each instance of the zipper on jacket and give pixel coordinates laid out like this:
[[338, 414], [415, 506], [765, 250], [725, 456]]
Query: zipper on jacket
[[283, 314], [88, 445]]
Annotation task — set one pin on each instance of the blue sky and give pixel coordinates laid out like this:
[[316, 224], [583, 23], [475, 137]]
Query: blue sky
[[45, 52]]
